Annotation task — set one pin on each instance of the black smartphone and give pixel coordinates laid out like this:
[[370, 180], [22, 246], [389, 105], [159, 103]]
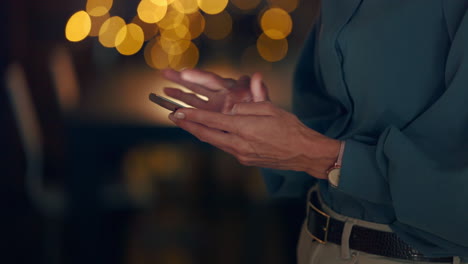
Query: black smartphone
[[164, 102]]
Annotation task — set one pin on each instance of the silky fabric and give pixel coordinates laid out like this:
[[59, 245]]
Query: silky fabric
[[390, 77]]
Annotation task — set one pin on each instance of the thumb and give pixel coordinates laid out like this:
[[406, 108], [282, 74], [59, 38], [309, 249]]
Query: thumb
[[258, 90]]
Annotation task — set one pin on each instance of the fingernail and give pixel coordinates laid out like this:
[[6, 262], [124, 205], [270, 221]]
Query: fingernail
[[179, 115]]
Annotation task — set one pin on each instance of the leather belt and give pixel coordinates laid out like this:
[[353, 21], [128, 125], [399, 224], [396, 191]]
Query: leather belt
[[325, 229]]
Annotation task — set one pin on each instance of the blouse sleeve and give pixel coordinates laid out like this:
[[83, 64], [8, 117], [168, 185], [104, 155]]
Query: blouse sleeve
[[422, 170]]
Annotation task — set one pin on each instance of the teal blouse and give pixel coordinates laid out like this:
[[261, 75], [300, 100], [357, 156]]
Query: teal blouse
[[390, 77]]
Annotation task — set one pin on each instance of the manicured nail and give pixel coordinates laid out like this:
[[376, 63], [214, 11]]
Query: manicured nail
[[179, 115]]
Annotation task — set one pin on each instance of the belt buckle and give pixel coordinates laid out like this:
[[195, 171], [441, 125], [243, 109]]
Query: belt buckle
[[321, 229]]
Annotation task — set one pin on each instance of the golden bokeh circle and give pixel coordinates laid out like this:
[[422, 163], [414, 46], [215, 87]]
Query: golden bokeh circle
[[150, 30], [196, 24], [78, 26], [174, 47], [172, 19], [150, 12], [109, 30], [212, 7], [98, 7], [176, 33], [155, 56], [188, 59], [272, 50], [185, 6], [131, 39], [160, 2], [276, 23], [218, 26]]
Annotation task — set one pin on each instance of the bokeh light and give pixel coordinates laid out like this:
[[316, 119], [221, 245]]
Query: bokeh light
[[131, 38], [150, 12], [155, 56], [149, 30], [171, 25], [212, 7], [78, 26], [276, 23], [196, 24], [188, 59], [96, 23], [180, 31], [98, 7], [287, 5], [109, 30], [272, 50], [171, 19], [218, 26], [185, 6], [246, 4], [162, 2], [174, 47]]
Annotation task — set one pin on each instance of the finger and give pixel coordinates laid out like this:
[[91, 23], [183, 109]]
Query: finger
[[208, 118], [258, 89], [225, 141], [188, 98], [207, 79], [175, 76], [261, 108]]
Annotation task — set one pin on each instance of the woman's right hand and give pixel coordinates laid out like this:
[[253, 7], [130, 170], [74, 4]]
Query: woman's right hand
[[222, 93]]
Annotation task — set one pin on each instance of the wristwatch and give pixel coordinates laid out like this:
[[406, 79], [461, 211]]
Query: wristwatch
[[334, 171]]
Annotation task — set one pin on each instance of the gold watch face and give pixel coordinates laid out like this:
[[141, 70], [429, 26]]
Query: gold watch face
[[334, 176]]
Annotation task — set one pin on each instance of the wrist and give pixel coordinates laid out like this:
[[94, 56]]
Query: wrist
[[322, 153]]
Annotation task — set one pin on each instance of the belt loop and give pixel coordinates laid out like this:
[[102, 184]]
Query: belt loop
[[456, 260], [347, 229]]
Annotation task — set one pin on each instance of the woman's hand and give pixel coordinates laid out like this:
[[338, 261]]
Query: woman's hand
[[263, 135], [222, 93], [260, 134]]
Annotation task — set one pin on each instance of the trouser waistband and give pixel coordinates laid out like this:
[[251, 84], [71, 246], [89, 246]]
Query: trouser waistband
[[325, 226]]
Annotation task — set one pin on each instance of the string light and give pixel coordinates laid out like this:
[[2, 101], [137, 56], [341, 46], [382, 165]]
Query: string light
[[149, 29], [109, 30], [185, 6], [212, 7], [98, 7], [171, 25], [150, 12], [196, 24], [276, 23], [272, 50], [78, 26], [131, 39]]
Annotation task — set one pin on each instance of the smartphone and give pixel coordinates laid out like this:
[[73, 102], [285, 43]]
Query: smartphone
[[164, 102]]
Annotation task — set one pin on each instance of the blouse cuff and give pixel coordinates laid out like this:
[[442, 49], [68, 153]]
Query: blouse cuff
[[360, 175]]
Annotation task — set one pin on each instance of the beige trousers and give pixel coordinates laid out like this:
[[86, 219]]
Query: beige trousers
[[310, 251]]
